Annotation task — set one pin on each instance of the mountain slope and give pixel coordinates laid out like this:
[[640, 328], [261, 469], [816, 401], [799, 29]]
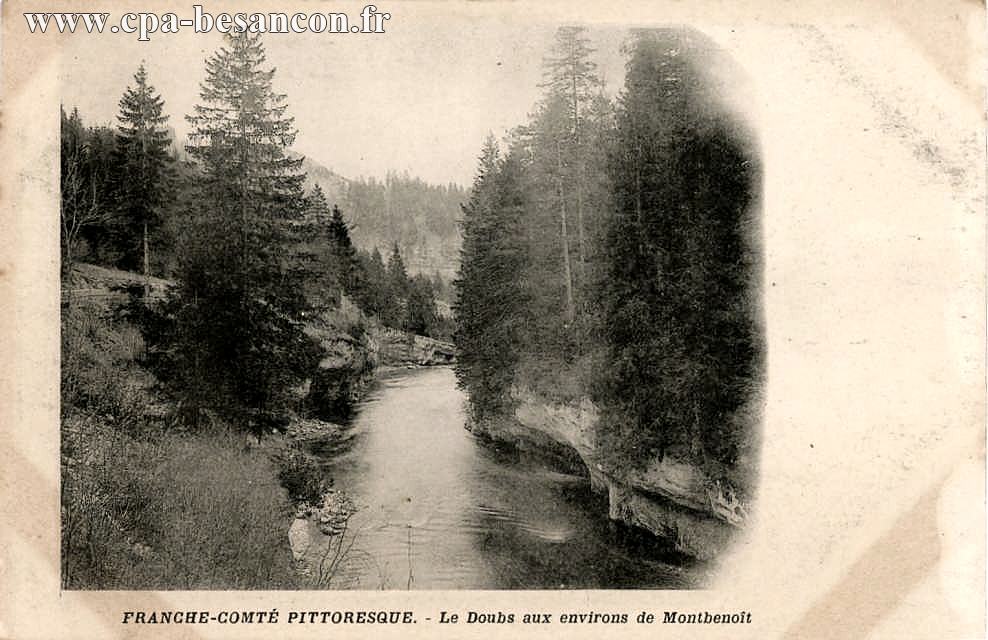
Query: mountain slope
[[422, 218]]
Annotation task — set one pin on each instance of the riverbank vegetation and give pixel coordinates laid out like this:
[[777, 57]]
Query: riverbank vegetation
[[610, 253]]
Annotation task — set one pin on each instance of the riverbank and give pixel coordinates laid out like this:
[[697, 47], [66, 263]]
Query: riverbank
[[320, 510], [318, 534], [149, 503], [670, 498], [398, 350], [440, 509]]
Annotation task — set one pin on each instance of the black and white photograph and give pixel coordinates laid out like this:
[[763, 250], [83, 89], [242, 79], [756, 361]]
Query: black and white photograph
[[495, 354]]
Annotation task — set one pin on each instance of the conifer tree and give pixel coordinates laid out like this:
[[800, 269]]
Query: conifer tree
[[490, 299], [421, 313], [372, 294], [397, 273], [395, 310], [345, 263], [570, 76], [317, 207], [308, 253], [85, 176], [471, 307], [339, 230], [551, 133], [142, 145], [569, 71], [679, 323], [240, 307]]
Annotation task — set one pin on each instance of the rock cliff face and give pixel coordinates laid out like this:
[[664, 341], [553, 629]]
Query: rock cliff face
[[672, 499], [397, 349], [343, 374]]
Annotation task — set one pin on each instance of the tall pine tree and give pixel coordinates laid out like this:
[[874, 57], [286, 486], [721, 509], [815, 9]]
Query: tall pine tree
[[396, 283], [145, 163], [240, 307], [574, 88], [396, 271], [490, 301], [317, 208], [683, 341], [345, 254]]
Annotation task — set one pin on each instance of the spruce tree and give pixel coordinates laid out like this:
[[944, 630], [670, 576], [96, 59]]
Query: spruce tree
[[241, 306], [490, 301], [570, 77], [549, 140], [421, 313], [339, 230], [372, 295], [397, 274], [471, 307], [394, 313], [679, 323], [347, 266], [570, 72], [308, 254], [317, 208], [142, 145]]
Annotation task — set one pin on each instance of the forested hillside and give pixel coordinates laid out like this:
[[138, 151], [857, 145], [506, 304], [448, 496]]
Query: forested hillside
[[604, 306], [404, 258], [422, 218]]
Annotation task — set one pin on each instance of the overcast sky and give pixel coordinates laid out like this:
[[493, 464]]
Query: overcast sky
[[420, 97]]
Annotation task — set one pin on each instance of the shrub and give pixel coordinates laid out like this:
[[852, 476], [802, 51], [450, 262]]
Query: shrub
[[301, 475], [143, 508]]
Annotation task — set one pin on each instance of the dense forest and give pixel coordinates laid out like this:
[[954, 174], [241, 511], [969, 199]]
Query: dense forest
[[609, 253], [422, 218]]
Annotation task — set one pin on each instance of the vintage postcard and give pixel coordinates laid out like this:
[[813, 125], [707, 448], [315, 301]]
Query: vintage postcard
[[492, 319]]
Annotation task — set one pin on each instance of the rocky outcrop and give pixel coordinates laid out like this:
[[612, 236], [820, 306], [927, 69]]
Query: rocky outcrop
[[321, 513], [343, 374], [671, 498], [398, 349], [104, 285], [331, 515], [316, 526]]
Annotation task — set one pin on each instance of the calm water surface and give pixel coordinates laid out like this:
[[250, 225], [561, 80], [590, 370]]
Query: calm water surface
[[440, 509]]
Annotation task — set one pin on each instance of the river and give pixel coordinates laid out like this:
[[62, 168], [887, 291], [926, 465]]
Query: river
[[440, 509]]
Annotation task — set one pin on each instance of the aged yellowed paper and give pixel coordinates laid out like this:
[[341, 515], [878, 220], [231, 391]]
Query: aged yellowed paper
[[500, 319]]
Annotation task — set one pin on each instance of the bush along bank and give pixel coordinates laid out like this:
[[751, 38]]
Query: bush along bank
[[318, 533]]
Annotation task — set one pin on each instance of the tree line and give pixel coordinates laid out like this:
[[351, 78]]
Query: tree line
[[252, 257], [608, 253]]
